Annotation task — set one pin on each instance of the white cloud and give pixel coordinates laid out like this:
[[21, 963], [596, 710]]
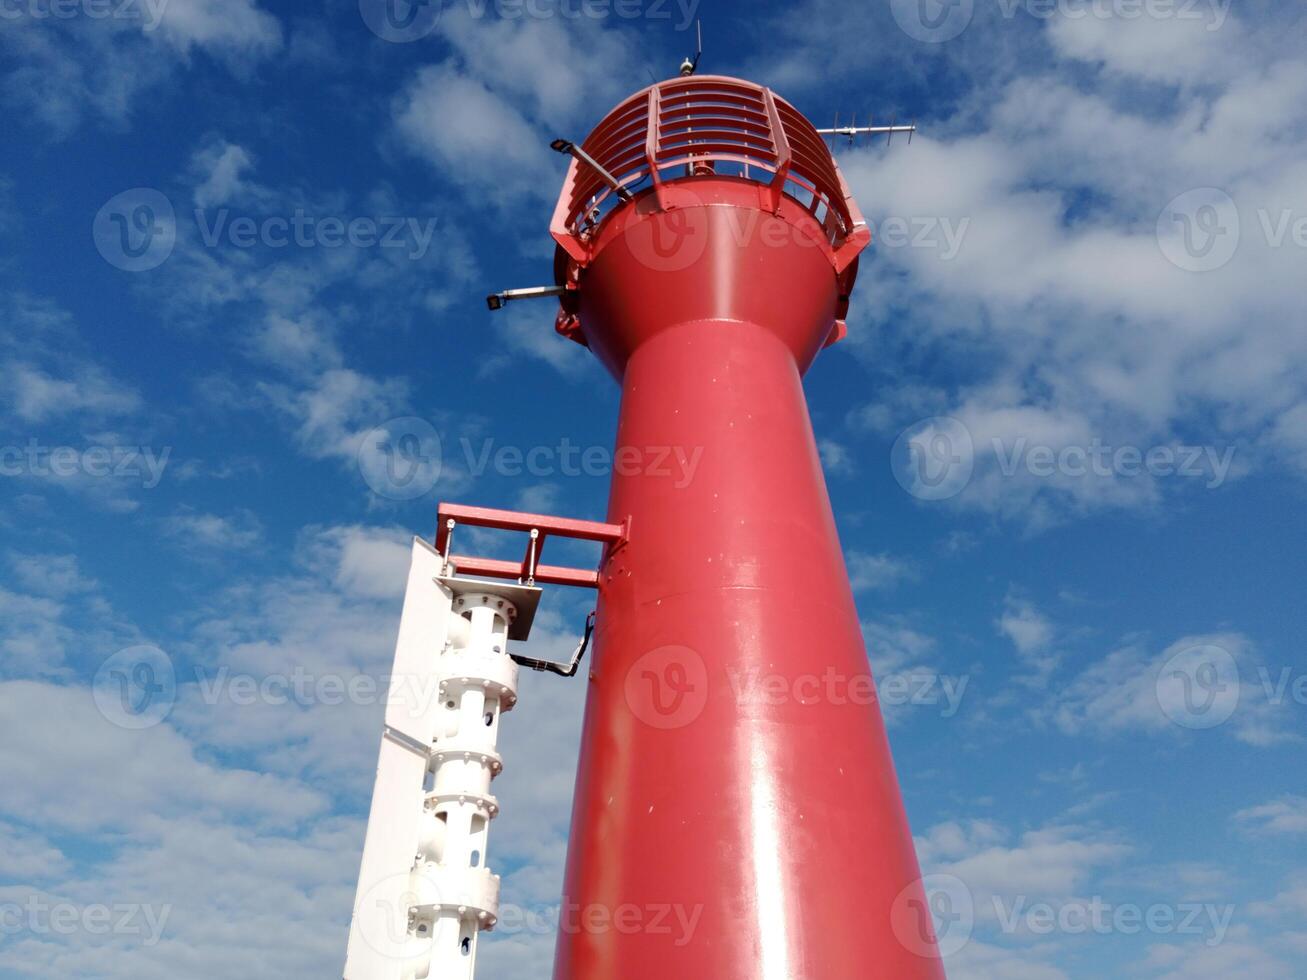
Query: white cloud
[[61, 401], [1066, 320], [370, 562], [475, 137], [835, 457], [1289, 436], [213, 532], [1209, 683], [559, 70], [1167, 961], [273, 904], [904, 659], [55, 576], [68, 68], [1283, 816], [896, 648], [33, 638], [870, 572], [485, 118], [220, 169], [128, 773], [292, 310], [299, 345], [1027, 628], [1049, 864], [228, 28], [27, 855], [527, 328], [1204, 44], [35, 396], [1032, 633], [337, 411], [982, 961]]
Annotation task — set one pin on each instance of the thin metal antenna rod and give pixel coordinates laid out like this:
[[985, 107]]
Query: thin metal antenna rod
[[690, 65], [570, 148], [851, 131]]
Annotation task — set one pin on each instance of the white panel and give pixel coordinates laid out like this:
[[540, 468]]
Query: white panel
[[423, 626], [378, 936], [378, 940]]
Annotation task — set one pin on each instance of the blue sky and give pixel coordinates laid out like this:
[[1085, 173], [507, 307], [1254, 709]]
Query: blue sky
[[1066, 442]]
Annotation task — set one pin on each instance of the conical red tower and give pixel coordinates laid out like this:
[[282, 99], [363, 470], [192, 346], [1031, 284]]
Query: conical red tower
[[737, 814]]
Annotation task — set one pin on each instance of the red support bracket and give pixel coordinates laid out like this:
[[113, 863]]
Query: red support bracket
[[653, 143], [538, 527], [784, 158]]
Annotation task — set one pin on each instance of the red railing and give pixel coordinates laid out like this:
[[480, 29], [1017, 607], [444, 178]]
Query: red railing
[[702, 125]]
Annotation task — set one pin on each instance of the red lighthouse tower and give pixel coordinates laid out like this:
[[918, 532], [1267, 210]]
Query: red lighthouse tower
[[737, 814]]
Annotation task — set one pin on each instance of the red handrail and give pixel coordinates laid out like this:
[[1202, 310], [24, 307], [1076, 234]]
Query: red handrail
[[702, 122]]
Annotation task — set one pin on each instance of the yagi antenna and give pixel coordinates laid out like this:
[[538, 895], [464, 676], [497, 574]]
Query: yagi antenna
[[853, 130], [688, 66]]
